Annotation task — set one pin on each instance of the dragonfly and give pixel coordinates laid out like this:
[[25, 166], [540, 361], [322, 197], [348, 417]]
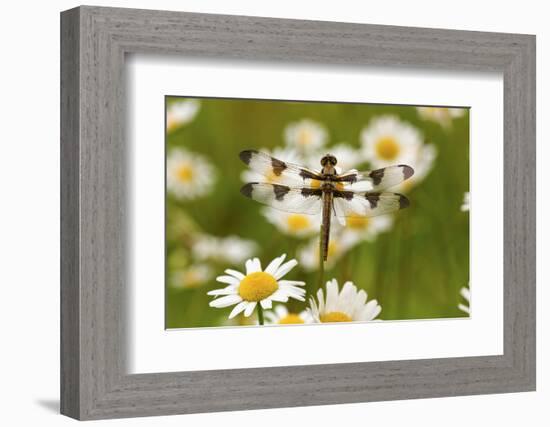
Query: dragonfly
[[297, 189]]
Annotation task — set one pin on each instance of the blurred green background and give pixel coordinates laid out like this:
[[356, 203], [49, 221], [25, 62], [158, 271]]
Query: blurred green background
[[415, 269]]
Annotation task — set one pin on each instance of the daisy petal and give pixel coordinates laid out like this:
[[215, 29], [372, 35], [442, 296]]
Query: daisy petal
[[321, 298], [464, 308], [332, 296], [298, 297], [376, 312], [275, 264], [290, 290], [230, 280], [346, 298], [249, 309], [225, 291], [257, 264], [248, 265], [361, 299], [285, 268], [266, 304], [291, 283], [225, 301], [236, 274], [371, 310], [238, 309], [279, 296], [253, 266]]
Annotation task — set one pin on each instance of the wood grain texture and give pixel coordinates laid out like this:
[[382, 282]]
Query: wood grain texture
[[94, 270], [70, 291]]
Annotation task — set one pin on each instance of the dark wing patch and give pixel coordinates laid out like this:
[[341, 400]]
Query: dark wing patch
[[307, 192], [376, 176], [280, 191], [307, 174], [346, 195], [373, 199], [246, 155], [278, 166], [246, 190], [407, 171]]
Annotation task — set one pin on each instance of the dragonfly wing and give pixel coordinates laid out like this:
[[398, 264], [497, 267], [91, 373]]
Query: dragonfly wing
[[297, 200], [278, 171], [350, 203], [376, 180]]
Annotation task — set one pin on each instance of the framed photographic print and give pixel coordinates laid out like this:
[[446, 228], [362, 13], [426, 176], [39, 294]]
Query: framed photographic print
[[211, 227], [295, 212]]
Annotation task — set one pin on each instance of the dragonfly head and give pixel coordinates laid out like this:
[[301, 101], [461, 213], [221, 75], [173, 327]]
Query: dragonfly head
[[328, 160]]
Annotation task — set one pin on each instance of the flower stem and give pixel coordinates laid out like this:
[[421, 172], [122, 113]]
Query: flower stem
[[260, 314]]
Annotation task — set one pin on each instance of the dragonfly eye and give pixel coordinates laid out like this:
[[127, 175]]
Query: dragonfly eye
[[329, 158]]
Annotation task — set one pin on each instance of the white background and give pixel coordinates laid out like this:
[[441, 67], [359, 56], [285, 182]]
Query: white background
[[29, 233], [153, 349]]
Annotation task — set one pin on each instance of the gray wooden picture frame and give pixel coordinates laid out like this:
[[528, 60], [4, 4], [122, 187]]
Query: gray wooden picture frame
[[94, 381]]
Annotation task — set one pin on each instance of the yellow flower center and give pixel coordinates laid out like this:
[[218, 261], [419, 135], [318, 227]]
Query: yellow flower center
[[304, 137], [334, 316], [387, 148], [257, 286], [291, 319], [297, 222], [185, 173], [357, 222]]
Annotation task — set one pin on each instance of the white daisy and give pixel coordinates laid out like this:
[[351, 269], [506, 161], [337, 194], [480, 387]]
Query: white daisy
[[180, 113], [389, 141], [191, 277], [285, 154], [230, 249], [466, 203], [349, 305], [281, 316], [293, 224], [465, 292], [442, 115], [188, 175], [359, 228], [305, 136], [245, 291], [308, 255]]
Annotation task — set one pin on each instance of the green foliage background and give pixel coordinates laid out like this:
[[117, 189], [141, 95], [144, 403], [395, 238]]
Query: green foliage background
[[415, 270]]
